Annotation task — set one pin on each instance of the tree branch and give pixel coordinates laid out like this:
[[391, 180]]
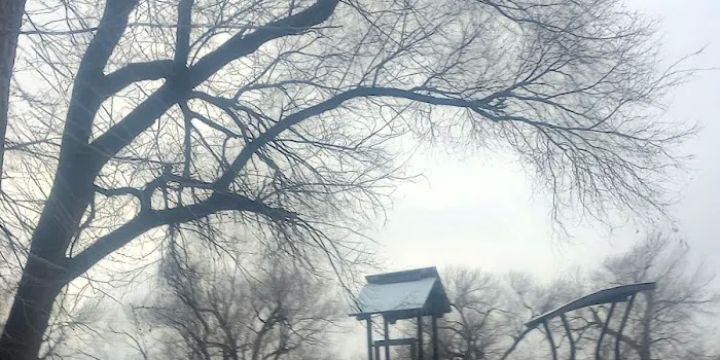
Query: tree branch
[[245, 155], [145, 114], [182, 34], [86, 99], [149, 219], [134, 72]]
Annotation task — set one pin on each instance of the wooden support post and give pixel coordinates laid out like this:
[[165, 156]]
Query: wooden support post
[[420, 345], [387, 338], [436, 353], [369, 338]]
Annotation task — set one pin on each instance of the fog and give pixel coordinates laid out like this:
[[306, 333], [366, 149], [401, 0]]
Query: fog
[[144, 205]]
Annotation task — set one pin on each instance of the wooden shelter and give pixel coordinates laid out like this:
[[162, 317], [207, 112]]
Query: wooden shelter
[[402, 295]]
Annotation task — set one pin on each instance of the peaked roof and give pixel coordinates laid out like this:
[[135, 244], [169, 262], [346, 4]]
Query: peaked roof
[[402, 294]]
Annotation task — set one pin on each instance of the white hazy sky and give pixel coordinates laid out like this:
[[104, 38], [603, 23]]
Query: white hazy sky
[[482, 211]]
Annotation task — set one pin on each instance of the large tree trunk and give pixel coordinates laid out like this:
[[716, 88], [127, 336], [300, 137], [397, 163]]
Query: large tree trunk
[[47, 269], [11, 12], [30, 313], [46, 272]]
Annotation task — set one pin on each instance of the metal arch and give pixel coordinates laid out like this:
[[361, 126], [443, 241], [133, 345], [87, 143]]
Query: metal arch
[[612, 296], [605, 296]]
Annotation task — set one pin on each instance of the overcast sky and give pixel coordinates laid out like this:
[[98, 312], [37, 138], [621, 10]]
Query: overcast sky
[[481, 210]]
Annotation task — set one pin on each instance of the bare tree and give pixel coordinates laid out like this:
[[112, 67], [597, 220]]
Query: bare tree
[[489, 311], [218, 311], [481, 320], [286, 117], [671, 320]]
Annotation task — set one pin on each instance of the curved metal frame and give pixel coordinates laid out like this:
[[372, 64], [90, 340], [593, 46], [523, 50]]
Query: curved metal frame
[[612, 296]]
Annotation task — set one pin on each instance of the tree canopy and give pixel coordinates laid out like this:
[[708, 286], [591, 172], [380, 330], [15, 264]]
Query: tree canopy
[[134, 119]]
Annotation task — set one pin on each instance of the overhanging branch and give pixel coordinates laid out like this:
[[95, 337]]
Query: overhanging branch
[[134, 72], [150, 219], [145, 114], [246, 154]]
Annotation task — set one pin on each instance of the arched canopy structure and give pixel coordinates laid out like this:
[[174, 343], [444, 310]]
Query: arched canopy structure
[[612, 296], [606, 296]]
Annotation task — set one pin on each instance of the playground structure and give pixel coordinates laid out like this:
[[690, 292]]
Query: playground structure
[[419, 293], [612, 296], [402, 295]]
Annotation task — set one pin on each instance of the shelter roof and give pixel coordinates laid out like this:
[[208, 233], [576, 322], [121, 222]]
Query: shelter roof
[[403, 294]]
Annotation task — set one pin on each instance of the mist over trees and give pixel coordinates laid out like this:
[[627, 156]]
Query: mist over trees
[[489, 310], [204, 309], [135, 123], [201, 303], [219, 311]]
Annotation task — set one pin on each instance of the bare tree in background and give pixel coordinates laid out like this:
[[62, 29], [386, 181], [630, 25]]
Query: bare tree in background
[[218, 311], [489, 314], [286, 117], [480, 322], [489, 311], [670, 322]]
